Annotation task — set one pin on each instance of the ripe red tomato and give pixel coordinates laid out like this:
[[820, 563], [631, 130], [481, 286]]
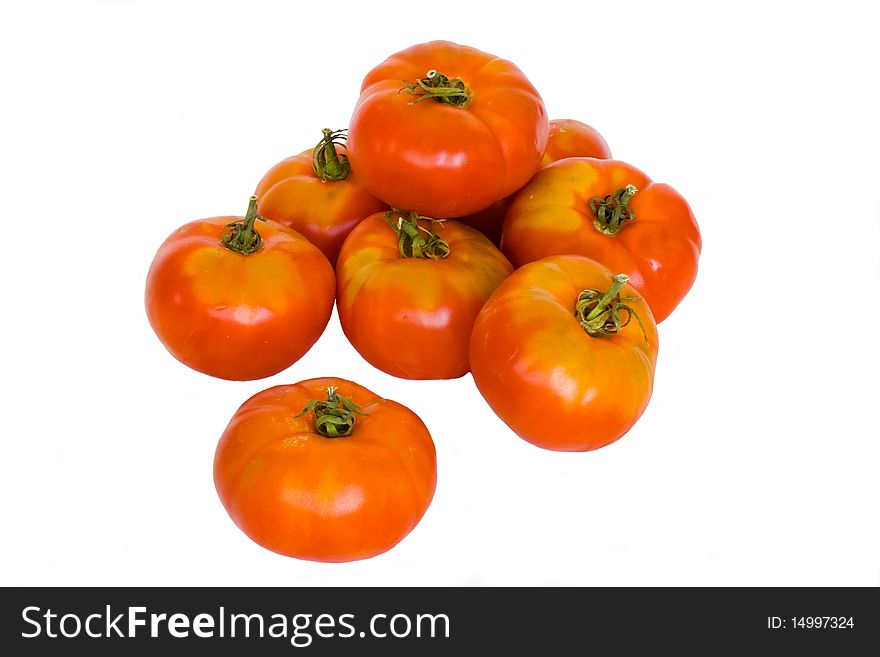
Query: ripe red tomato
[[612, 212], [446, 130], [567, 138], [325, 470], [564, 352], [317, 194], [237, 301], [408, 290]]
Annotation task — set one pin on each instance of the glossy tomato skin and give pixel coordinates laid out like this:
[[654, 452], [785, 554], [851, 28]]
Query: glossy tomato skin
[[571, 138], [567, 138], [324, 211], [659, 250], [303, 495], [441, 160], [235, 316], [544, 376], [411, 317]]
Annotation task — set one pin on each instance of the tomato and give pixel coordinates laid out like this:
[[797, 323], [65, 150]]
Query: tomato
[[612, 212], [570, 138], [318, 194], [446, 130], [567, 138], [408, 290], [490, 220], [235, 301], [564, 352], [325, 470]]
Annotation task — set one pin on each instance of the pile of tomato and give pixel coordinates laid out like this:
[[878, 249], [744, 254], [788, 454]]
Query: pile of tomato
[[457, 230]]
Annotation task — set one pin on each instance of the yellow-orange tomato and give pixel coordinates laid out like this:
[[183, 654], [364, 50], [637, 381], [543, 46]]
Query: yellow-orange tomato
[[567, 138], [347, 479], [612, 212], [564, 352], [317, 194], [570, 138], [242, 310], [408, 291]]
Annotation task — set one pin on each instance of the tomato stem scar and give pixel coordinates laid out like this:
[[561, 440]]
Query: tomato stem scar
[[612, 211], [439, 87], [415, 241], [599, 313], [241, 236], [327, 163], [334, 418]]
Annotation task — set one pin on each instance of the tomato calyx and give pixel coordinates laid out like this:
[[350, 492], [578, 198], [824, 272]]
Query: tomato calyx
[[414, 240], [439, 87], [241, 236], [599, 313], [334, 418], [612, 211], [327, 163]]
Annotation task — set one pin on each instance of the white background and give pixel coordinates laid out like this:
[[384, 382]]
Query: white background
[[756, 462]]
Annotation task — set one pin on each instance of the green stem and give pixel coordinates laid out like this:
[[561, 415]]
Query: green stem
[[327, 163], [414, 240], [612, 212], [439, 87], [334, 418], [599, 313], [241, 236]]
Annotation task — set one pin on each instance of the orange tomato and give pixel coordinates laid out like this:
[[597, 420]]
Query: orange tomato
[[325, 470], [612, 212], [490, 220], [446, 130], [567, 138], [317, 194], [564, 353], [237, 301], [408, 290], [570, 138]]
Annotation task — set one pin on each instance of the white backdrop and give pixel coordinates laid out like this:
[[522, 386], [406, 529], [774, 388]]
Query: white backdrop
[[757, 459]]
